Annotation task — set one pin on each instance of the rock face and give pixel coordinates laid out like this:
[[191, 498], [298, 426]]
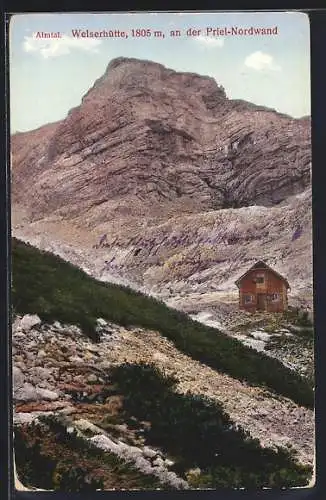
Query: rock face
[[146, 138], [160, 181]]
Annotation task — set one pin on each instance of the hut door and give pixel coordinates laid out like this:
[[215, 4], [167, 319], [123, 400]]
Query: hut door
[[261, 301]]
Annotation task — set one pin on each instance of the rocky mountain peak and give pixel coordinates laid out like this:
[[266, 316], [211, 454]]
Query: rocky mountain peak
[[154, 142], [130, 75]]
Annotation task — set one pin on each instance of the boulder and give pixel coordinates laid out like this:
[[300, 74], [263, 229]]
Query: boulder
[[101, 322], [149, 453], [158, 462], [28, 392], [92, 378], [38, 373], [29, 321], [18, 378]]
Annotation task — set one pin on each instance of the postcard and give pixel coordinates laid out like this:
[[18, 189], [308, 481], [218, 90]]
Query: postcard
[[162, 289]]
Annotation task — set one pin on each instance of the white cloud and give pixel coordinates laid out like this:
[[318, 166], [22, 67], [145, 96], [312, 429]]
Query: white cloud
[[260, 61], [210, 41], [54, 47]]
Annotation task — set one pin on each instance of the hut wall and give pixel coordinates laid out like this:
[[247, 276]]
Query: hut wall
[[273, 288]]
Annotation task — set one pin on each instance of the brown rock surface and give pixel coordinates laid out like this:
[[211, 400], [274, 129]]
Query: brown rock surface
[[149, 140]]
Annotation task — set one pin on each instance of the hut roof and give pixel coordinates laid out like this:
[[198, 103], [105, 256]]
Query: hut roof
[[262, 265]]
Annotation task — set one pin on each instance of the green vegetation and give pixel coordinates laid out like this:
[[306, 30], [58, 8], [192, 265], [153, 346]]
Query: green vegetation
[[33, 467], [297, 316], [46, 285], [301, 324], [199, 434], [48, 457], [37, 468]]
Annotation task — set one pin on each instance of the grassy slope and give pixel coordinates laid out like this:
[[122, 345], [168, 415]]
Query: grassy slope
[[46, 285]]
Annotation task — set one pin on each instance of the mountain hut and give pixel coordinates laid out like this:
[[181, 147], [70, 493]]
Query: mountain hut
[[262, 289]]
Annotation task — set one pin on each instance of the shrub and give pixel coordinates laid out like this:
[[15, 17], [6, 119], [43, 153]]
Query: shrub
[[299, 317], [74, 479], [34, 467]]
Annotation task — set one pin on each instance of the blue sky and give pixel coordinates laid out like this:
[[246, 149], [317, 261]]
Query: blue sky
[[49, 77]]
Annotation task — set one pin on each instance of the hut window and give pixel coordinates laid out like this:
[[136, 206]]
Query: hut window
[[275, 297], [259, 278], [247, 299]]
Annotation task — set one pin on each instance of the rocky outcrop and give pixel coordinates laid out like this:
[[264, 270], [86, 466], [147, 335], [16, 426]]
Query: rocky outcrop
[[145, 460]]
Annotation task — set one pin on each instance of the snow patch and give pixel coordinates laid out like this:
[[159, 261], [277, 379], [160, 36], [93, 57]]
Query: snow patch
[[258, 345], [261, 335], [204, 317]]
